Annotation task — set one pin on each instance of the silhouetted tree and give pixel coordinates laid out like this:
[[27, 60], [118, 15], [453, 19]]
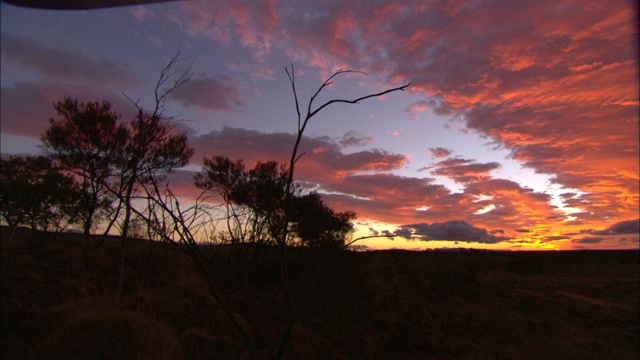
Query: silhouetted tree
[[256, 208], [303, 121], [153, 148], [33, 192], [263, 192], [88, 142], [265, 199], [316, 224], [220, 180]]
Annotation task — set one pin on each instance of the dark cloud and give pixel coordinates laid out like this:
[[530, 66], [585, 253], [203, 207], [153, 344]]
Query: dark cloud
[[62, 64], [219, 93], [387, 233], [249, 145], [405, 232], [623, 227], [588, 240], [454, 230], [353, 138]]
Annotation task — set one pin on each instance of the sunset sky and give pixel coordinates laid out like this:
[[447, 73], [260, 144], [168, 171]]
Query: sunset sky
[[519, 129]]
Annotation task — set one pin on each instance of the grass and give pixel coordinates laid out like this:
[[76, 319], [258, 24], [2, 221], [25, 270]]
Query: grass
[[58, 303]]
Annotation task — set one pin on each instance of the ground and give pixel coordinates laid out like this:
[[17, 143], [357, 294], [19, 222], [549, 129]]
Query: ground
[[59, 301]]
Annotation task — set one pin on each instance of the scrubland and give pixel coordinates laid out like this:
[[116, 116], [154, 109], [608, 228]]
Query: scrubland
[[60, 302]]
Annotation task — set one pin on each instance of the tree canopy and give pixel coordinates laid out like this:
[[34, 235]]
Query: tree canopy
[[259, 194], [35, 193], [88, 141]]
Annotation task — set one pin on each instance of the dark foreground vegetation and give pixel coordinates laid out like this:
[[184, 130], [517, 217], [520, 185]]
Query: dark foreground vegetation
[[58, 303]]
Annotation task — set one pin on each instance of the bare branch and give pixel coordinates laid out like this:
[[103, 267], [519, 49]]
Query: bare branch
[[135, 103], [299, 156], [367, 237], [329, 81], [292, 79], [400, 88], [310, 113], [177, 69]]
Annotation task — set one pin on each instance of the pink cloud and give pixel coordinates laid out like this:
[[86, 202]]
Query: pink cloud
[[415, 108], [254, 26]]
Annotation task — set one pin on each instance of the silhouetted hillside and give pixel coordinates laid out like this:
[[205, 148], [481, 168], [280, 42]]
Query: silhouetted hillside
[[59, 303]]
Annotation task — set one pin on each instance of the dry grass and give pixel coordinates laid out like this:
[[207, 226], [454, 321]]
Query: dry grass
[[59, 303]]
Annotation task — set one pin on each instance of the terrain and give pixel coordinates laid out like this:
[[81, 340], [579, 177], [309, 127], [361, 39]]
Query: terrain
[[60, 302]]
